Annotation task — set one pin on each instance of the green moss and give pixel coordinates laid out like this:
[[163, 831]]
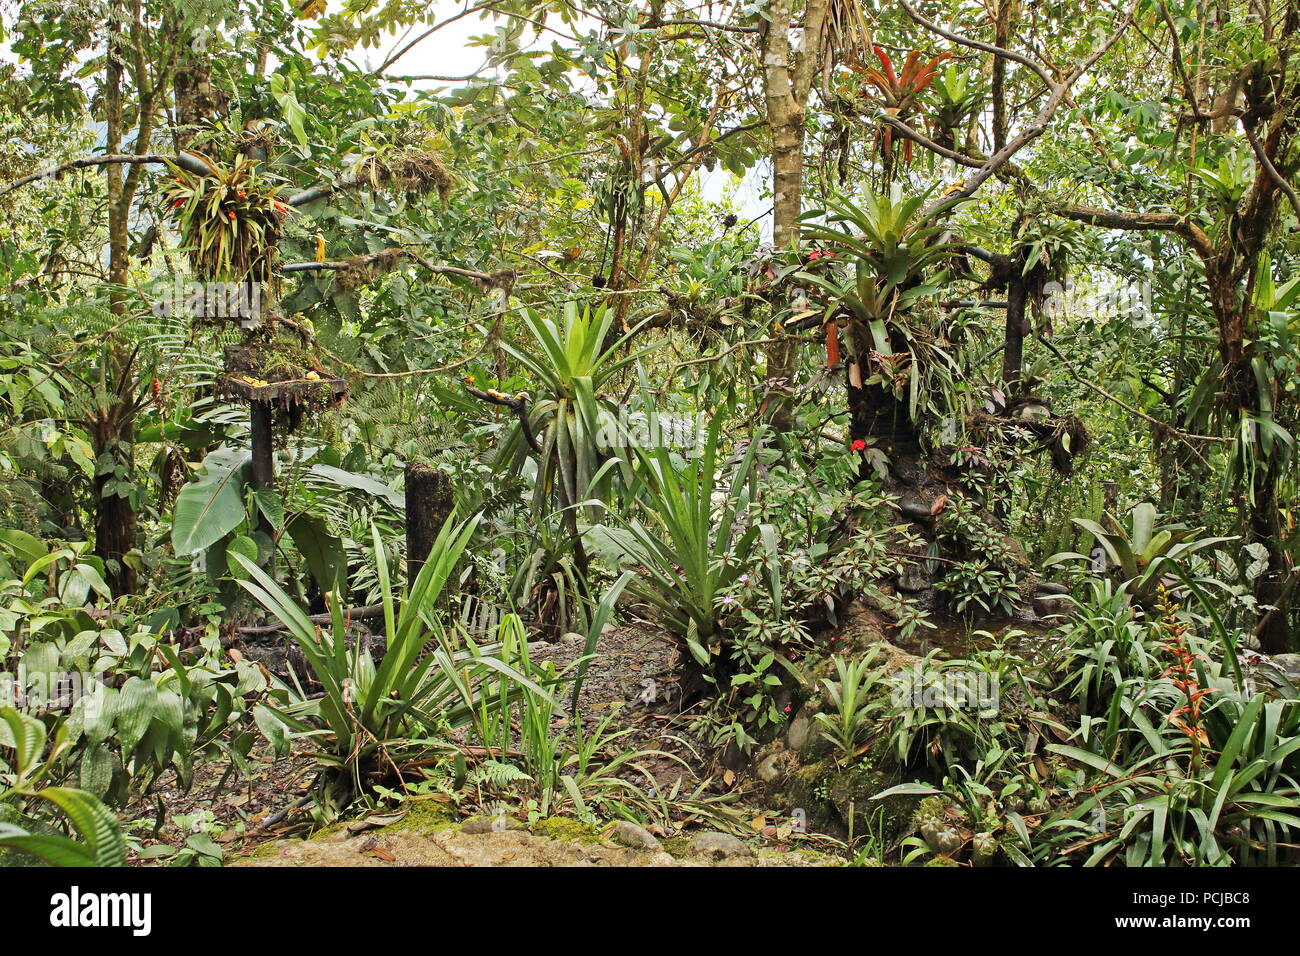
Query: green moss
[[324, 833], [815, 857], [941, 861], [268, 849], [285, 357], [425, 816], [566, 828], [829, 792], [676, 847]]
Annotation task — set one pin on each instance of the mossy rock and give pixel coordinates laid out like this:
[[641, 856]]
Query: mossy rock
[[678, 847], [830, 793], [264, 851], [425, 816], [814, 857], [566, 828]]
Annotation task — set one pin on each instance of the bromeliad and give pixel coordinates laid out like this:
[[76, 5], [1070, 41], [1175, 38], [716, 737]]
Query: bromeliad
[[897, 92]]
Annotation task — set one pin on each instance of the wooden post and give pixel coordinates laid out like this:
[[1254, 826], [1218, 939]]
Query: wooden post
[[429, 503], [263, 456]]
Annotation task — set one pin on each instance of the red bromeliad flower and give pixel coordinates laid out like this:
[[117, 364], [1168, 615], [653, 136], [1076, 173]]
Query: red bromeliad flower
[[859, 445], [1182, 674], [898, 91]]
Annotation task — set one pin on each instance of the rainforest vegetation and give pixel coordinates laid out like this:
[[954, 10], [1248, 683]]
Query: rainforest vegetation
[[658, 432]]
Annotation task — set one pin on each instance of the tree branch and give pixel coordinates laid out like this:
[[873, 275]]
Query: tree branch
[[186, 161], [1163, 426], [389, 257], [922, 140], [517, 403], [1140, 222], [1278, 179], [978, 44], [1039, 124]]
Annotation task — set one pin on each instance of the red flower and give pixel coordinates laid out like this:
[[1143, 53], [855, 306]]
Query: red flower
[[859, 445], [178, 203]]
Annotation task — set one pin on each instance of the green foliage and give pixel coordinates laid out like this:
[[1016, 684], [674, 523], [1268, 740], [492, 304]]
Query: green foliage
[[1143, 552], [695, 547], [573, 365], [562, 767], [373, 716], [213, 506], [851, 698], [99, 839]]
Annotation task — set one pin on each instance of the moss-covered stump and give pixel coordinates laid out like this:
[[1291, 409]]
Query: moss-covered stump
[[841, 799]]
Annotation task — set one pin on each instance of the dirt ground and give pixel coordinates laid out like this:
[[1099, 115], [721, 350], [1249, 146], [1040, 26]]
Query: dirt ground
[[634, 682]]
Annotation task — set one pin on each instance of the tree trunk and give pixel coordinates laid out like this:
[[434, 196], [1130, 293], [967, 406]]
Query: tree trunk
[[1274, 628], [113, 427], [1017, 327], [262, 440], [787, 79]]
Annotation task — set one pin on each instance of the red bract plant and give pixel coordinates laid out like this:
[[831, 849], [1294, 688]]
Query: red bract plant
[[899, 91], [1183, 675]]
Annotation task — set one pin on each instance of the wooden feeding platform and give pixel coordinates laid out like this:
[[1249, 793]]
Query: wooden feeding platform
[[280, 376], [272, 376], [322, 390]]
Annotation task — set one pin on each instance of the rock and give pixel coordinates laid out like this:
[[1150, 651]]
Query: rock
[[1048, 588], [1014, 554], [911, 506], [1051, 605], [912, 579], [776, 765], [483, 825], [802, 730], [513, 848], [572, 637], [1288, 664], [769, 769], [632, 836], [718, 845]]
